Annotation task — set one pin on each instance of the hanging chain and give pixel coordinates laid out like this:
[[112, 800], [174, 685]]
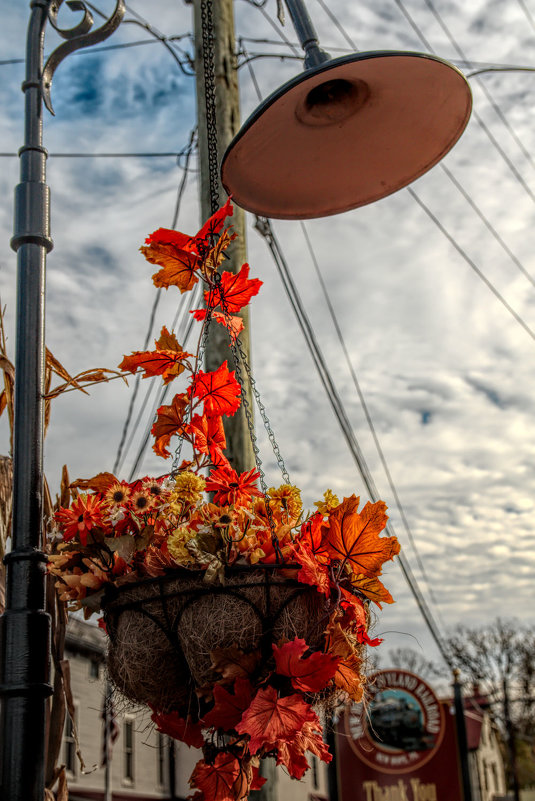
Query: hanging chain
[[208, 38]]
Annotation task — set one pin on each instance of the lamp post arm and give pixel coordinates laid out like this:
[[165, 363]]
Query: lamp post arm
[[306, 33]]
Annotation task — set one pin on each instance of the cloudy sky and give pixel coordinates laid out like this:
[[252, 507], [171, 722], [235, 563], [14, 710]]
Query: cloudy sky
[[446, 370]]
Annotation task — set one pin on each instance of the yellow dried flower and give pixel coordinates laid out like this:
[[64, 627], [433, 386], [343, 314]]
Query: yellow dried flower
[[289, 498], [329, 502], [188, 488], [176, 544]]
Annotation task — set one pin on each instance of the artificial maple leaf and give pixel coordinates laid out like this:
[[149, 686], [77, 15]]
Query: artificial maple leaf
[[208, 435], [270, 719], [310, 674], [232, 323], [233, 663], [218, 390], [98, 483], [229, 707], [168, 422], [257, 781], [178, 728], [372, 589], [236, 290], [312, 535], [352, 611], [181, 256], [217, 781], [353, 537], [311, 571], [167, 360], [292, 754], [178, 266], [363, 637], [348, 676]]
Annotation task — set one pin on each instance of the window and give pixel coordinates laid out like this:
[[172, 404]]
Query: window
[[128, 744], [69, 745], [160, 754], [94, 669]]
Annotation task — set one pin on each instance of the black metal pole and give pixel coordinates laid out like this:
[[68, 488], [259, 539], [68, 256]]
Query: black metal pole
[[306, 33], [25, 626], [462, 742]]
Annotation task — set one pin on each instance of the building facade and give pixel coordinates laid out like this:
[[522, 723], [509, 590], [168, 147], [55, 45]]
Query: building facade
[[144, 764]]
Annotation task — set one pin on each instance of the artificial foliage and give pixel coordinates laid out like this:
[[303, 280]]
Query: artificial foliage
[[201, 515]]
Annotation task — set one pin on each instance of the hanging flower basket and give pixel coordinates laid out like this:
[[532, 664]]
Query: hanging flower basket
[[164, 631], [230, 610]]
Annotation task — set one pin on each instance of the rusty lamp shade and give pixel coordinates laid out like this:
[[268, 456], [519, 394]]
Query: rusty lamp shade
[[345, 133]]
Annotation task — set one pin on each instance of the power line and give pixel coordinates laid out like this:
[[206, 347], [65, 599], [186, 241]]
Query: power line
[[182, 186], [475, 114], [85, 52], [471, 263], [438, 16], [367, 414], [527, 12], [264, 227]]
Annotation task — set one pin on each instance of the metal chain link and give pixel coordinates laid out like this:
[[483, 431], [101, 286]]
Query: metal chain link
[[208, 50]]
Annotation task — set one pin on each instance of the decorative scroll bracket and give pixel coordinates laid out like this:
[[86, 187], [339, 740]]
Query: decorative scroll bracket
[[77, 37]]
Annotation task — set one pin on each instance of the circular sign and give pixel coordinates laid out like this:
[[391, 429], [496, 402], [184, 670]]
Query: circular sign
[[400, 727]]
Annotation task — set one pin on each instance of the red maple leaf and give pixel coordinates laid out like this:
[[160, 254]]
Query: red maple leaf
[[209, 437], [229, 707], [353, 537], [180, 256], [218, 781], [236, 290], [169, 422], [311, 571], [218, 390], [178, 728], [312, 535], [232, 323], [271, 719], [310, 674]]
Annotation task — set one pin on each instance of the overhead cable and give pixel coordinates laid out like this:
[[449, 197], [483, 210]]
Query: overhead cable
[[367, 414], [471, 263], [264, 227], [181, 188], [482, 124]]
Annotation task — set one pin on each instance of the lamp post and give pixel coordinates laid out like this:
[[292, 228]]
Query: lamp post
[[25, 625]]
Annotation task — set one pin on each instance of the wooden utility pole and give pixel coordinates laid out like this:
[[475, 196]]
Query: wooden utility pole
[[239, 449]]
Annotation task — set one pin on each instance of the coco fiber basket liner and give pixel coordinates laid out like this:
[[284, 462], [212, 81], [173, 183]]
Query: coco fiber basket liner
[[162, 630]]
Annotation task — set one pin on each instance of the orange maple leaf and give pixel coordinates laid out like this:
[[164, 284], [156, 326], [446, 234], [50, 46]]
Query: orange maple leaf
[[168, 423], [372, 589], [98, 483], [167, 360], [181, 256], [218, 390], [292, 754], [353, 537], [218, 781], [310, 674], [271, 719], [348, 676], [312, 535]]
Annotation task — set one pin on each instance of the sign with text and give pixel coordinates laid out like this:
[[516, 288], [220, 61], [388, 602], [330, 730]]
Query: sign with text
[[401, 746]]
